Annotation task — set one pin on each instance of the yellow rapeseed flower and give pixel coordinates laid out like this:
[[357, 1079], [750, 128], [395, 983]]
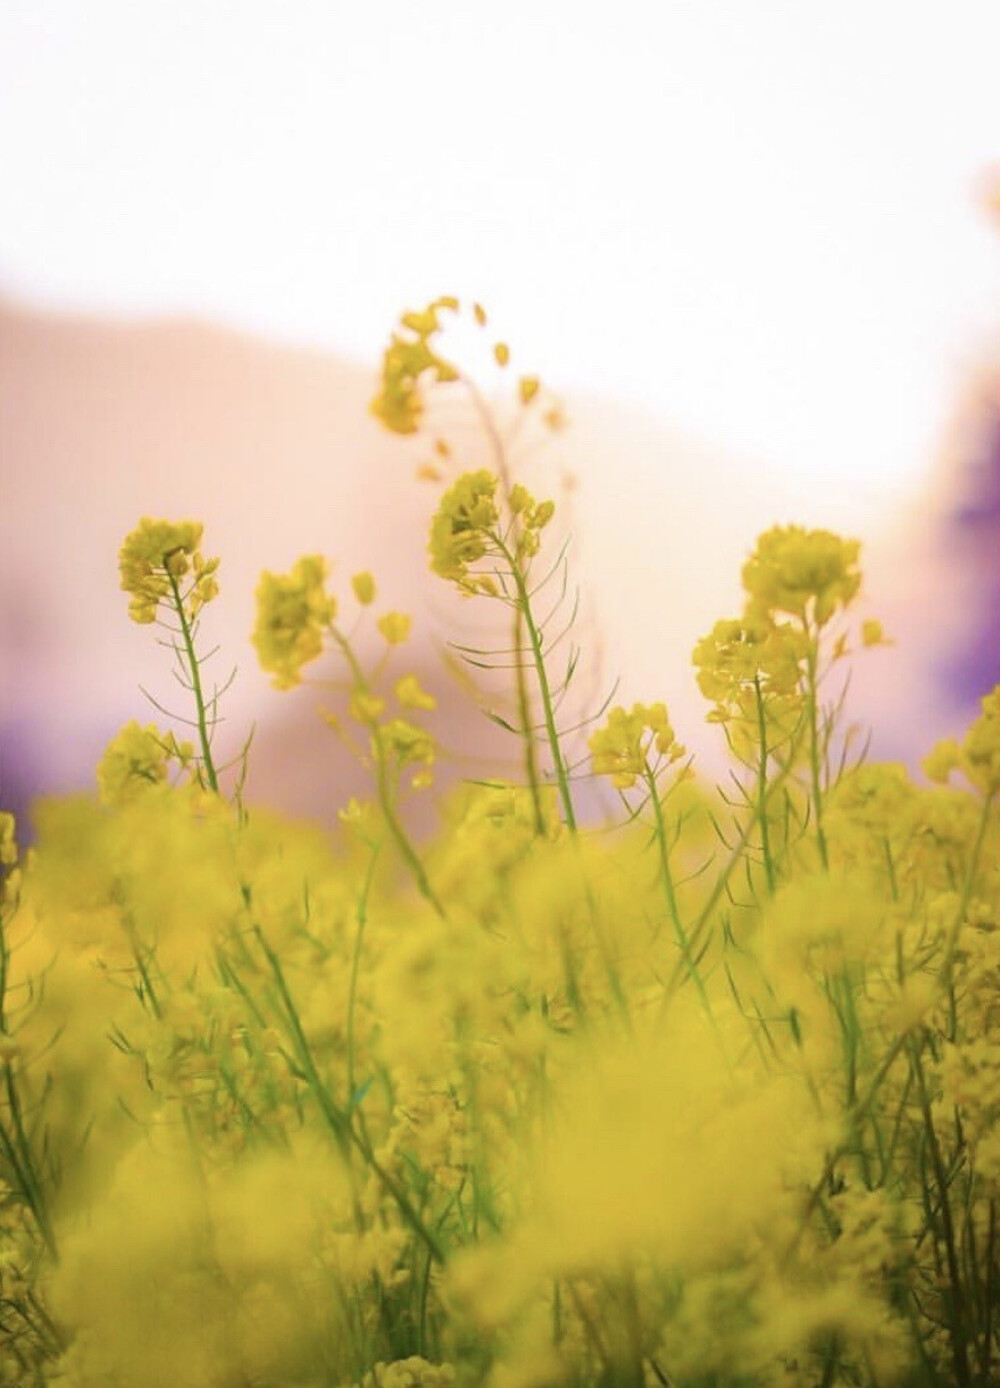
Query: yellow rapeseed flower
[[366, 707], [945, 758], [407, 744], [801, 571], [621, 749], [463, 527], [398, 405], [292, 611], [152, 554], [736, 651], [978, 757], [395, 627], [981, 748], [137, 757], [411, 693], [534, 516], [363, 585]]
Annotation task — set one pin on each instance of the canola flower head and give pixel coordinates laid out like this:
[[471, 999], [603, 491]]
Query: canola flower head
[[463, 525], [361, 818], [981, 748], [366, 707], [425, 322], [395, 627], [363, 586], [293, 611], [157, 551], [624, 750], [942, 760], [872, 633], [398, 406], [406, 743], [533, 516], [411, 694], [739, 652], [137, 757], [978, 756], [802, 572], [869, 807], [407, 359]]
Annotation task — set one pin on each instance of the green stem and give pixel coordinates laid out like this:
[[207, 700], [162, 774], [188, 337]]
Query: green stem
[[352, 995], [986, 1352], [890, 864], [521, 693], [812, 706], [538, 658], [147, 981], [765, 830], [5, 1029], [338, 1122], [732, 862], [523, 696], [959, 1345], [199, 698], [406, 849], [668, 887], [20, 1157], [492, 432]]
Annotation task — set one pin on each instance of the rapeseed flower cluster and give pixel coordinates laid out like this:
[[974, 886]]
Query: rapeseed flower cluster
[[412, 365], [154, 559], [532, 516], [627, 745], [707, 1095], [738, 658], [293, 611], [468, 527], [464, 528], [409, 356], [138, 756], [806, 573], [978, 756]]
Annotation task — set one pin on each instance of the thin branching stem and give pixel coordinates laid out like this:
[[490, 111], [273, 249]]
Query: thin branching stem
[[765, 830], [669, 891], [815, 754], [541, 674], [193, 666]]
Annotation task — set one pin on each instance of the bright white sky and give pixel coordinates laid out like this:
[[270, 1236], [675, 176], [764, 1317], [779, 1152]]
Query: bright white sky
[[756, 219]]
